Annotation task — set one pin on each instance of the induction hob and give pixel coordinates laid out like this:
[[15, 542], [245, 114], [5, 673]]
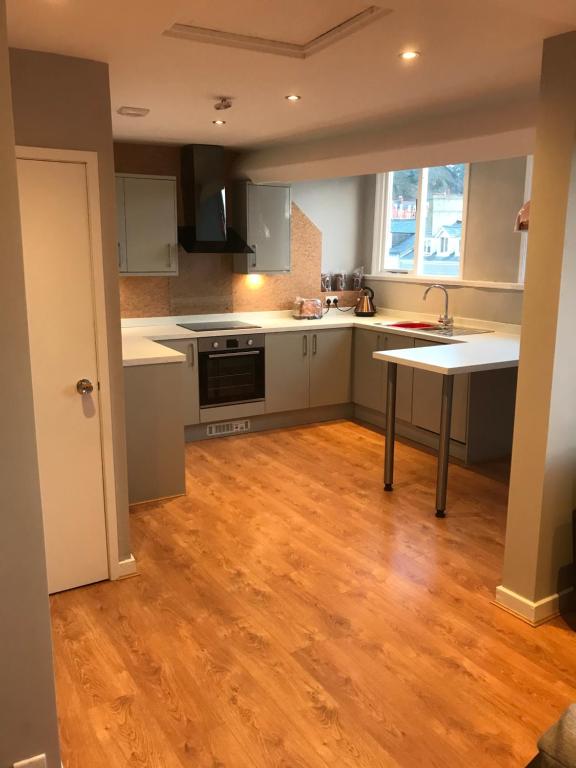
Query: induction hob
[[223, 325]]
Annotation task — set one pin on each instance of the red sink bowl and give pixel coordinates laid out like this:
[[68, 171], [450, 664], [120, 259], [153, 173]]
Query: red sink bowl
[[413, 324]]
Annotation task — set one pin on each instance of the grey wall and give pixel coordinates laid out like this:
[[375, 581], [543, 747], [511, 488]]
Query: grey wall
[[64, 102], [338, 208], [495, 195], [28, 724], [483, 303]]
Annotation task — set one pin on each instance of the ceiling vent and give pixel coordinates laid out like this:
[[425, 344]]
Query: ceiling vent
[[279, 48], [133, 111]]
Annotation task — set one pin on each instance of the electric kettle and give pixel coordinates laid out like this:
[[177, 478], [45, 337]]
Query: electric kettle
[[365, 303]]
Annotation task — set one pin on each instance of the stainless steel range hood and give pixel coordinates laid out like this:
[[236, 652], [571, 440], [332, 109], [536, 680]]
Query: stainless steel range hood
[[204, 180]]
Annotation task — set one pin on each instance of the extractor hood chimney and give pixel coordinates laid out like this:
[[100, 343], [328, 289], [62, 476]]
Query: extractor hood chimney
[[204, 177]]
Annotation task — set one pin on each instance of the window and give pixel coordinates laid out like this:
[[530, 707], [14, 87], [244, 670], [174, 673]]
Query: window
[[420, 221]]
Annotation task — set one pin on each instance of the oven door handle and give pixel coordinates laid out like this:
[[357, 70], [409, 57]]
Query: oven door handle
[[235, 354]]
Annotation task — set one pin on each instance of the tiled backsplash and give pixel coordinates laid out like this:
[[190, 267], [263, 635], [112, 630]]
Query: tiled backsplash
[[206, 283]]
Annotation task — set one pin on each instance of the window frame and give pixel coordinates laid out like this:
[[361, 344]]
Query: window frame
[[383, 234]]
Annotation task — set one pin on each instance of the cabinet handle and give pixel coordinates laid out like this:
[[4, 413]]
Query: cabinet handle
[[254, 262], [170, 255], [120, 265], [314, 344], [191, 356], [377, 342], [304, 345]]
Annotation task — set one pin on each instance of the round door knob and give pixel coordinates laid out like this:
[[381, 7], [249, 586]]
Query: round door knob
[[84, 386]]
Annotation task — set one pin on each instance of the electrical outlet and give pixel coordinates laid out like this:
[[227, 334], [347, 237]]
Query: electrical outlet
[[32, 762], [330, 299]]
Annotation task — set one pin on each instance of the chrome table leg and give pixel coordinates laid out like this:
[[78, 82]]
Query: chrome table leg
[[444, 445], [390, 425]]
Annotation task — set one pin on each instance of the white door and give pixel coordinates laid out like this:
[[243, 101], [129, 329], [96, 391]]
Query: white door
[[59, 296]]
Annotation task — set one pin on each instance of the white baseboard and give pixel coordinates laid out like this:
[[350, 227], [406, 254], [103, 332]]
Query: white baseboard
[[126, 568], [534, 613]]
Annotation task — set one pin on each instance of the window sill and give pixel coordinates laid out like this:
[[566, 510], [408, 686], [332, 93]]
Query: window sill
[[449, 281]]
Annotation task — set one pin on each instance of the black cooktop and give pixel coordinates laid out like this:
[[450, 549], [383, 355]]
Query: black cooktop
[[224, 325]]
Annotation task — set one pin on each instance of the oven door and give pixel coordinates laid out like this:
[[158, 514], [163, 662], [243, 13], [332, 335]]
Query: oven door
[[230, 377]]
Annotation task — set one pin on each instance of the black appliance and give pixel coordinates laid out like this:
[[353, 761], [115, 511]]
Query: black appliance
[[223, 325], [231, 369], [207, 201]]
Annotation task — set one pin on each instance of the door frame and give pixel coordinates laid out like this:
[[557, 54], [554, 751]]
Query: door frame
[[116, 568]]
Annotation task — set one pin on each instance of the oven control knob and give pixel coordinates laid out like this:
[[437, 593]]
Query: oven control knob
[[215, 344], [250, 342]]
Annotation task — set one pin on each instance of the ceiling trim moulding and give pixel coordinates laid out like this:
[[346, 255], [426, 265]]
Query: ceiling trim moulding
[[277, 47]]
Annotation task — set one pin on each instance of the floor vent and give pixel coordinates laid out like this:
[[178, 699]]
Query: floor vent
[[228, 428]]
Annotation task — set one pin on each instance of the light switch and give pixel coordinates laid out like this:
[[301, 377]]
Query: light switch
[[32, 762]]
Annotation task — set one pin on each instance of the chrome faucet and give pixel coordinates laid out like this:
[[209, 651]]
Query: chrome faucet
[[445, 320]]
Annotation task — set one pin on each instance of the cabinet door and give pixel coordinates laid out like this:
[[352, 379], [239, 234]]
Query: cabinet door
[[404, 377], [268, 228], [151, 228], [287, 357], [121, 224], [368, 380], [189, 368], [427, 400], [330, 367]]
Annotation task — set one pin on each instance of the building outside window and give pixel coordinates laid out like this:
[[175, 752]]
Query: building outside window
[[420, 221]]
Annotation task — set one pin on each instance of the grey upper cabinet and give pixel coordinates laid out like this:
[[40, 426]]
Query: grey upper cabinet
[[147, 225], [427, 400], [330, 367], [189, 370], [286, 371], [307, 370], [267, 209]]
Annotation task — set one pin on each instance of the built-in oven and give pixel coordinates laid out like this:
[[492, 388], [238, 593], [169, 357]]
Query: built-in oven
[[231, 369]]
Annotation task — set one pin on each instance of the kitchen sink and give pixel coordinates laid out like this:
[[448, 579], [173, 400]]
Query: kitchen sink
[[434, 328], [458, 331], [411, 324]]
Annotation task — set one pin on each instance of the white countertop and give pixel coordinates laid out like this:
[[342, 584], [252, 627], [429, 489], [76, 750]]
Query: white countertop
[[481, 352], [142, 337]]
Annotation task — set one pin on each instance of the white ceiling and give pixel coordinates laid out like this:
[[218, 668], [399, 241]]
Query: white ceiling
[[472, 51]]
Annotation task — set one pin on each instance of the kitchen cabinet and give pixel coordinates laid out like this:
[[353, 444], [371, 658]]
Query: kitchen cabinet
[[287, 371], [368, 387], [265, 217], [154, 431], [147, 225], [427, 400], [369, 379], [308, 370], [189, 375], [330, 367]]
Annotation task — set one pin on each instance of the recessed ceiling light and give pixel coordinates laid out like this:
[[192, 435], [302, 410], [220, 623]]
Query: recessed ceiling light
[[409, 55], [133, 111], [293, 97], [219, 122]]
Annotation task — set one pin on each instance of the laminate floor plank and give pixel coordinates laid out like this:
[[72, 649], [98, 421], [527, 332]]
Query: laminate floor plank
[[290, 614]]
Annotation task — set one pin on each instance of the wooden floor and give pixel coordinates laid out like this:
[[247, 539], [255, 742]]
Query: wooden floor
[[290, 614]]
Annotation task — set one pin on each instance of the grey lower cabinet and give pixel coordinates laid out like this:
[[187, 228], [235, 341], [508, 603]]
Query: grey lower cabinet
[[369, 375], [154, 431], [308, 370], [287, 371], [330, 367], [427, 400], [189, 374]]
